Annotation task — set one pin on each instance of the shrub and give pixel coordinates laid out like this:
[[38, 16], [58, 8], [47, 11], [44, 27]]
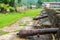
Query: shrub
[[6, 8]]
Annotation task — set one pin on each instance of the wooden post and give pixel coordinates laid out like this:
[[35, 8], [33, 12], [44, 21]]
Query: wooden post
[[53, 36]]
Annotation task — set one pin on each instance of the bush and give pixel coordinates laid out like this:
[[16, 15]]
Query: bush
[[6, 8]]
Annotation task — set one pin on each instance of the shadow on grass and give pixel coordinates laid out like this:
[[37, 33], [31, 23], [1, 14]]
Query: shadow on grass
[[3, 32]]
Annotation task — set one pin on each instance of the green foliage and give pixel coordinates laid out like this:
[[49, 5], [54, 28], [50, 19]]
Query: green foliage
[[0, 0], [10, 2], [25, 2], [39, 3], [6, 8], [28, 2], [36, 2], [17, 3], [5, 1]]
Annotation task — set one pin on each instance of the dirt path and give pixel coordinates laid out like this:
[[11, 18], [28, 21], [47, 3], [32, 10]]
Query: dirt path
[[15, 26], [12, 35]]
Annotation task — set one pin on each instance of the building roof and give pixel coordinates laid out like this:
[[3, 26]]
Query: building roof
[[51, 2]]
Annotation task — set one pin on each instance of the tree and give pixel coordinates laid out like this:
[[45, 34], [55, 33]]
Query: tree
[[19, 2], [0, 1], [11, 2], [6, 1], [39, 3]]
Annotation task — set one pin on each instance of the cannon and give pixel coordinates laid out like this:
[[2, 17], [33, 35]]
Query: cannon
[[44, 14], [40, 19], [25, 33], [53, 18], [37, 18], [48, 15]]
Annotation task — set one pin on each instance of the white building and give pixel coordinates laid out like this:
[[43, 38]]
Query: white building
[[52, 4]]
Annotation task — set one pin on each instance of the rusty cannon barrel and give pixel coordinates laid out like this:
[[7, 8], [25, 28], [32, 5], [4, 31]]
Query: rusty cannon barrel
[[24, 33], [40, 17], [43, 14]]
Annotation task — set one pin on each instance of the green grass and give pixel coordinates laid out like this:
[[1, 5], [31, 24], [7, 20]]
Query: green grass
[[7, 19], [3, 32], [16, 30], [32, 12]]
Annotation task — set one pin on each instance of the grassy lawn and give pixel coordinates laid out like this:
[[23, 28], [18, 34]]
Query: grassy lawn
[[7, 19]]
